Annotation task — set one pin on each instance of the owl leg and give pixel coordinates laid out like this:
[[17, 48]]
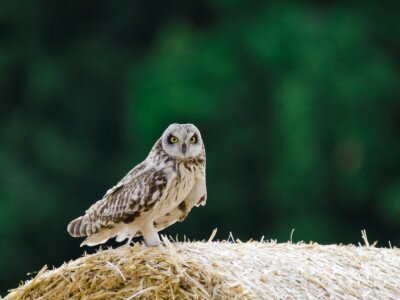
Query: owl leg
[[129, 240], [150, 235], [130, 236]]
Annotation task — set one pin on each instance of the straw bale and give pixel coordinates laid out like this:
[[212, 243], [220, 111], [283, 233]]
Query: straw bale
[[223, 270]]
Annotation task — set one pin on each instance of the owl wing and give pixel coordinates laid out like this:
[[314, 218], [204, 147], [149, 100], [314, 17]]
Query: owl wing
[[137, 192], [196, 197]]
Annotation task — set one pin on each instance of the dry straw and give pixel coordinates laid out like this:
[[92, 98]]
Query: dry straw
[[223, 270]]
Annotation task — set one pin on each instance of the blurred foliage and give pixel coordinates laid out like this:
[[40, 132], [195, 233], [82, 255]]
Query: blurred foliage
[[298, 104]]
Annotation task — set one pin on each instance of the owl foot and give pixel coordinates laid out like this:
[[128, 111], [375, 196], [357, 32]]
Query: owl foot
[[150, 236]]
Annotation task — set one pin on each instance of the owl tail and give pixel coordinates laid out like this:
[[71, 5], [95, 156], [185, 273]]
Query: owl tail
[[79, 227], [98, 238]]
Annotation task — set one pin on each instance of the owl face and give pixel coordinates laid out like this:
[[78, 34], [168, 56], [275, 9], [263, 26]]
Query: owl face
[[182, 141]]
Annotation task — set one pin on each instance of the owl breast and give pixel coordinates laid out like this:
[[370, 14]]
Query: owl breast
[[178, 187]]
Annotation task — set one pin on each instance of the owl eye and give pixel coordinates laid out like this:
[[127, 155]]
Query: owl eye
[[173, 139], [193, 139]]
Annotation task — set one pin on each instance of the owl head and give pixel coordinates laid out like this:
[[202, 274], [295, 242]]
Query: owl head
[[182, 141]]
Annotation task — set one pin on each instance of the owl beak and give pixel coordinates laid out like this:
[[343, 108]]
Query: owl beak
[[184, 148]]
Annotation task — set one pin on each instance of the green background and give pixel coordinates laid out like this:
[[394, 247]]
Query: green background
[[298, 104]]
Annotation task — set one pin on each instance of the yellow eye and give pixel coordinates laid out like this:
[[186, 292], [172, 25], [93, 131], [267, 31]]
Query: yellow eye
[[193, 139], [173, 139]]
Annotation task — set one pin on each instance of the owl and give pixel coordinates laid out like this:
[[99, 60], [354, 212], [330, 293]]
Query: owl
[[153, 195]]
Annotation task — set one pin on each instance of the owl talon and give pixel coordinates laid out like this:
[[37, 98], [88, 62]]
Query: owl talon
[[150, 236]]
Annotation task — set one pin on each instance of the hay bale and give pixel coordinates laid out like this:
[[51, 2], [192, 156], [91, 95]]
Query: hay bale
[[223, 270]]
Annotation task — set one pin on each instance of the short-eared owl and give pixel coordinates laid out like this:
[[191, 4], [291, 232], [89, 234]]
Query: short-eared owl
[[153, 195]]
